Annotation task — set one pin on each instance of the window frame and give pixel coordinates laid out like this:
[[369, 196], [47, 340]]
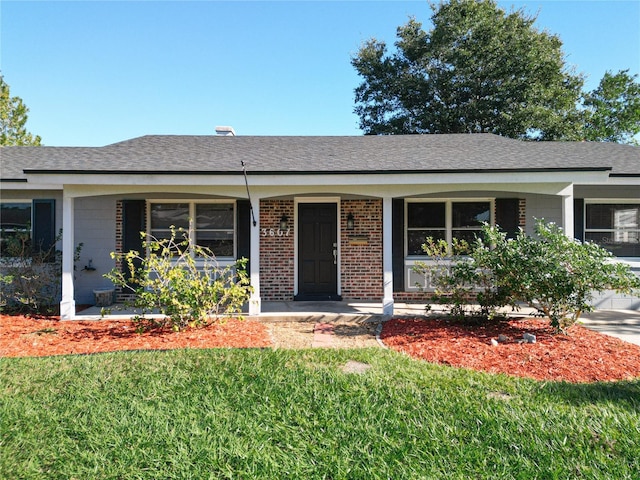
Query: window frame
[[29, 202], [448, 229], [192, 230], [609, 201]]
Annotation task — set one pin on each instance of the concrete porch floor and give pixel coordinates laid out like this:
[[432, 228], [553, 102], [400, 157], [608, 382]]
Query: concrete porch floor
[[321, 310], [314, 310]]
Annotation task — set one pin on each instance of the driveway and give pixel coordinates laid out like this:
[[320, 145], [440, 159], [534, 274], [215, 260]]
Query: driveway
[[624, 324]]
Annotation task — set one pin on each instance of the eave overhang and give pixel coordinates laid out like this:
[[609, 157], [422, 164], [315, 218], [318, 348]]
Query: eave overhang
[[271, 184], [313, 172]]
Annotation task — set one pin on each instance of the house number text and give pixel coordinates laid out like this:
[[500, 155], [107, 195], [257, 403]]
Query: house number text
[[275, 232]]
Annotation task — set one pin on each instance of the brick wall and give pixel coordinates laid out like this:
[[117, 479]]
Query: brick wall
[[411, 297], [119, 228], [120, 296], [361, 251], [276, 254], [276, 251], [361, 272]]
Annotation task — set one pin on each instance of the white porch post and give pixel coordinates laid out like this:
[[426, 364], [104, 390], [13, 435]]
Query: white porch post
[[68, 303], [387, 256], [255, 302], [567, 211]]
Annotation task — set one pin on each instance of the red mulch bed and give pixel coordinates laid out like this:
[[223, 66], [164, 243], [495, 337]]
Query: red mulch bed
[[581, 355], [30, 337]]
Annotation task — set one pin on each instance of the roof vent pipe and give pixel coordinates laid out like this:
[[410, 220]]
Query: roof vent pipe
[[225, 131]]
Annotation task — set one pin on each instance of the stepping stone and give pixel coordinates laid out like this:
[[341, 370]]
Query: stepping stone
[[322, 335], [355, 367]]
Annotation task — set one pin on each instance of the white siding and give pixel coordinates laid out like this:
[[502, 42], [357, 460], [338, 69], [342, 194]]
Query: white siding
[[545, 207], [95, 228]]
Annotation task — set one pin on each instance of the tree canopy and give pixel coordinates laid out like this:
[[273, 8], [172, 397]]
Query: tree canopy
[[13, 118], [613, 109], [480, 70]]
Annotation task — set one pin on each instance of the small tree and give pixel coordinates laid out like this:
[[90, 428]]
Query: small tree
[[181, 281], [550, 272]]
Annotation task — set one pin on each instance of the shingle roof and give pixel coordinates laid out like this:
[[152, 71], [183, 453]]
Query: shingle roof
[[288, 155], [14, 160]]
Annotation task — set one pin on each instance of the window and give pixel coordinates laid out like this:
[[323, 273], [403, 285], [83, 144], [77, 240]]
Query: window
[[15, 218], [614, 226], [213, 226], [424, 220], [445, 220]]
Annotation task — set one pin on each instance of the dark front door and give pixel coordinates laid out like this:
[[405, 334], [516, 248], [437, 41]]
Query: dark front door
[[317, 251]]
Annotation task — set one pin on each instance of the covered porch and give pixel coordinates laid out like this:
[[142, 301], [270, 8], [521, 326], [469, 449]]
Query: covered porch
[[264, 273]]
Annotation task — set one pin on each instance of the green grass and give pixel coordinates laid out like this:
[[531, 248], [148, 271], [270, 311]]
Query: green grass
[[198, 414]]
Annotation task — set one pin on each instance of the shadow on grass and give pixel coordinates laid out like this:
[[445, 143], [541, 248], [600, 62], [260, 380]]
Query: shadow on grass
[[623, 393]]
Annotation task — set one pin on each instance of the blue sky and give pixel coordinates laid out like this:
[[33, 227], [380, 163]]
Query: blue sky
[[93, 73]]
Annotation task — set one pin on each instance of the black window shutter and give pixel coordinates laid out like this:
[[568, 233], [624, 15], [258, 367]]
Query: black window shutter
[[397, 240], [243, 212], [507, 215], [578, 218], [133, 222], [44, 225]]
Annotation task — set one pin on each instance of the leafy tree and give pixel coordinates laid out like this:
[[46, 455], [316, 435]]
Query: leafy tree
[[13, 117], [479, 70], [613, 109], [483, 70]]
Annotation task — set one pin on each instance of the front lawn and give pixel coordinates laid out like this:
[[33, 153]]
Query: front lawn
[[228, 413]]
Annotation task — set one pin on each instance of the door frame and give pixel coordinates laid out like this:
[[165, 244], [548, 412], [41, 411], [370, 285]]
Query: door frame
[[296, 257]]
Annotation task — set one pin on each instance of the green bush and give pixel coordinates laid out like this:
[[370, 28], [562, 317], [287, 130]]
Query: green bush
[[181, 281], [457, 282], [552, 273], [555, 275], [30, 276]]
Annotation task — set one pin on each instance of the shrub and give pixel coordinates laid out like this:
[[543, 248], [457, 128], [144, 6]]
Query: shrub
[[550, 272], [182, 281], [31, 276], [555, 275], [464, 288]]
